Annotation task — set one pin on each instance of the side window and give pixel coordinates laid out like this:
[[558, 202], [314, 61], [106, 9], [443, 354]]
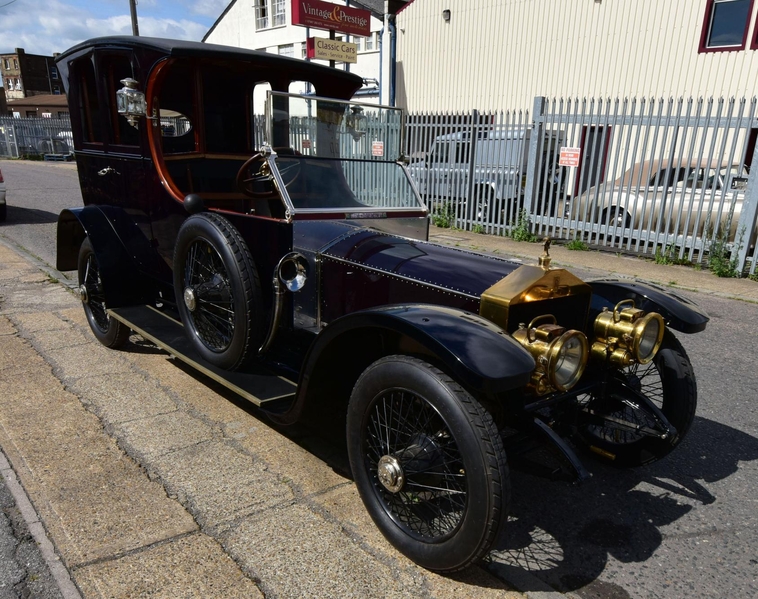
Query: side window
[[440, 152], [225, 102], [114, 68], [176, 110], [725, 25], [88, 104]]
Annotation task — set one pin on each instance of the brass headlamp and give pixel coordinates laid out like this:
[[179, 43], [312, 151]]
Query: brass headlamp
[[627, 335], [560, 354]]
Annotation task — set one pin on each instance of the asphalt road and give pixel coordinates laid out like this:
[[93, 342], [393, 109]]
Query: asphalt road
[[684, 527]]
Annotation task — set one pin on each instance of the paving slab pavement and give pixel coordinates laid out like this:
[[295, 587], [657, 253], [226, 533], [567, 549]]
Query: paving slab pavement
[[151, 481]]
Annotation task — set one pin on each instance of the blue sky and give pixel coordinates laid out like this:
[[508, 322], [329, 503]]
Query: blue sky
[[47, 26]]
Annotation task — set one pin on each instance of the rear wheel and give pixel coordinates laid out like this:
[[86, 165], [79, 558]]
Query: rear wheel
[[669, 382], [108, 331], [428, 463]]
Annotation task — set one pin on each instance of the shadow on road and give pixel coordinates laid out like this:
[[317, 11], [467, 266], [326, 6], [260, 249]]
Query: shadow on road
[[29, 216], [563, 534]]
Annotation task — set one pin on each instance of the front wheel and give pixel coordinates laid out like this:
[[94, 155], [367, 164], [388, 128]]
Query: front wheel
[[108, 331], [428, 463], [669, 382]]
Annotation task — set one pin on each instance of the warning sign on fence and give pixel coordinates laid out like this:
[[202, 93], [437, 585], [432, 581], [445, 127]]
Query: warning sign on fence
[[570, 156]]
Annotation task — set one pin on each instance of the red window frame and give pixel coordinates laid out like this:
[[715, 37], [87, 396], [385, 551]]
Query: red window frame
[[703, 48]]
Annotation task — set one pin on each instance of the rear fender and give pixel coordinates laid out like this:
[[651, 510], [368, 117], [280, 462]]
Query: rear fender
[[678, 312], [123, 252]]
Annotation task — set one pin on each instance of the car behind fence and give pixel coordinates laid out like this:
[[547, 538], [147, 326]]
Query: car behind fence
[[641, 175], [36, 137]]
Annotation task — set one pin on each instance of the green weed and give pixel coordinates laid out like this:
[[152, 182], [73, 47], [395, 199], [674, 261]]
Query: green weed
[[444, 216], [520, 230]]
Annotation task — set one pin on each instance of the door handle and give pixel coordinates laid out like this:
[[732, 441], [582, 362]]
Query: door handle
[[108, 170]]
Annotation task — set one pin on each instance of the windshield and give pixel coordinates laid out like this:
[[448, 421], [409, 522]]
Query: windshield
[[314, 183], [331, 128], [340, 156]]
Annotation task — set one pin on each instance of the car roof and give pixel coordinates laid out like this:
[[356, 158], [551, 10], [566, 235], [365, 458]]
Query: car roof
[[183, 48], [644, 171]]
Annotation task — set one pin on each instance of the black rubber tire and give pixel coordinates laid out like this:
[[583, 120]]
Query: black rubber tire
[[670, 382], [616, 217], [212, 259], [443, 439], [3, 212], [108, 331], [483, 202]]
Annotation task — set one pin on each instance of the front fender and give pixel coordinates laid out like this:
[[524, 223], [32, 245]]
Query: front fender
[[678, 312], [123, 252], [477, 353]]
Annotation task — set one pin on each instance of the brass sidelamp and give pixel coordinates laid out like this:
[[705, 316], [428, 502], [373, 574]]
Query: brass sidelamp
[[627, 335]]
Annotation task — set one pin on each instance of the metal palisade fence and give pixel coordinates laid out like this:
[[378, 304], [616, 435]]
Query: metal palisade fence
[[35, 137], [651, 176]]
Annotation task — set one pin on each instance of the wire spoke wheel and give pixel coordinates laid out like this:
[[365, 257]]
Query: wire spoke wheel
[[109, 331], [428, 462], [432, 500], [218, 293], [206, 276], [95, 294], [669, 383]]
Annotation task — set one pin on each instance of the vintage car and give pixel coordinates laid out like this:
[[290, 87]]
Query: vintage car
[[285, 255]]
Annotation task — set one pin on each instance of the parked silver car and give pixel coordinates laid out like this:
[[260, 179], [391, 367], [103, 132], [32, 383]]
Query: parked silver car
[[688, 199]]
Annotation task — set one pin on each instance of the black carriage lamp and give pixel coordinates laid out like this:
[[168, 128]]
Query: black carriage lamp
[[446, 15], [357, 123], [130, 102]]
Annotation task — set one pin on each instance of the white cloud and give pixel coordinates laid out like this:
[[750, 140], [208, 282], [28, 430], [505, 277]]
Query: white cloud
[[208, 8], [47, 26]]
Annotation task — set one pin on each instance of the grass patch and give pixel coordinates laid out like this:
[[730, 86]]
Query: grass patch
[[668, 255], [477, 228], [578, 246]]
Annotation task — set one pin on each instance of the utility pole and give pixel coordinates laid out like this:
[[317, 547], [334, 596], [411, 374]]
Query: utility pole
[[133, 10]]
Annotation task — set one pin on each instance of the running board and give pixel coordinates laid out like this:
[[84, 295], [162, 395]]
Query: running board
[[258, 385]]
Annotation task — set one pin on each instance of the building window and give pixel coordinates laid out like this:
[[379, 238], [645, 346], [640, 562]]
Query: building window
[[279, 13], [6, 64], [287, 50], [303, 50], [725, 25], [30, 114], [15, 63], [62, 115], [54, 72], [270, 13], [56, 90], [18, 84], [369, 43]]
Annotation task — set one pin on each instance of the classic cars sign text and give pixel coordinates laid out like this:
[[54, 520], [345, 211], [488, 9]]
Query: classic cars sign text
[[324, 15]]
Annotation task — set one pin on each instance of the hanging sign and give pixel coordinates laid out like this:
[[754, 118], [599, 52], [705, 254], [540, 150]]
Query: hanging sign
[[332, 17], [326, 49]]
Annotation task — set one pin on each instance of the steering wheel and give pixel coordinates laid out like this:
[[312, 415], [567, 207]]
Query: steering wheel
[[247, 176]]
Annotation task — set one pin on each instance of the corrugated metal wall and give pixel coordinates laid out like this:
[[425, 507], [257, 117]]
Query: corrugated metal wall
[[500, 54]]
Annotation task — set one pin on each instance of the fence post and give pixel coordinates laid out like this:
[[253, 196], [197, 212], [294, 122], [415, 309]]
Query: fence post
[[748, 213], [536, 135], [474, 134]]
